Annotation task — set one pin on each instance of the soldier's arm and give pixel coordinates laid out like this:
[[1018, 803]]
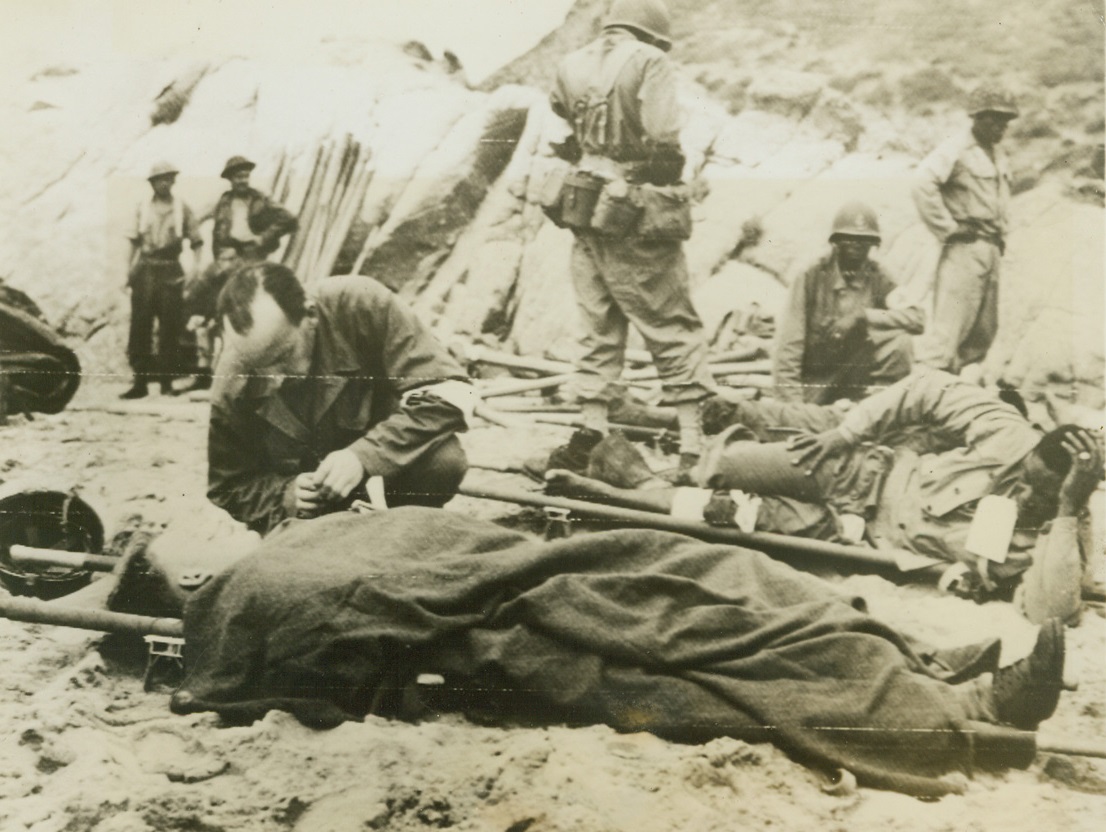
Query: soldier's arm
[[787, 362], [925, 397], [888, 314], [280, 222], [661, 121], [191, 229], [1053, 584], [418, 367], [236, 480], [934, 171]]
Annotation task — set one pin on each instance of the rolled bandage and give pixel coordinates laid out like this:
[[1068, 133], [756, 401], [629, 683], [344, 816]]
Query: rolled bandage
[[689, 503], [852, 527], [746, 510], [461, 395]]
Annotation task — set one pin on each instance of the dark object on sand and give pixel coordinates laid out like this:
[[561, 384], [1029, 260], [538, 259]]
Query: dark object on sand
[[38, 373], [48, 519]]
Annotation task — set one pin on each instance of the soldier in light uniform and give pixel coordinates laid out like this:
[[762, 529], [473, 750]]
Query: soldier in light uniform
[[156, 280], [963, 196], [618, 94]]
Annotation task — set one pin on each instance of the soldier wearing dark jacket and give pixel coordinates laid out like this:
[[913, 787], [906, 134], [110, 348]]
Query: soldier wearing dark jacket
[[245, 219], [323, 402]]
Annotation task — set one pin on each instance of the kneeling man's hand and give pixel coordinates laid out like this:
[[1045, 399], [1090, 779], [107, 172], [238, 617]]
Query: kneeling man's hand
[[338, 475]]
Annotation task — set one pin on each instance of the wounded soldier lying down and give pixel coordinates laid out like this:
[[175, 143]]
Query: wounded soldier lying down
[[932, 465], [641, 630]]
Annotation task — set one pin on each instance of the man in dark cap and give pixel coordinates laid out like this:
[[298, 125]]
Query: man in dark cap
[[963, 196], [245, 219], [156, 280]]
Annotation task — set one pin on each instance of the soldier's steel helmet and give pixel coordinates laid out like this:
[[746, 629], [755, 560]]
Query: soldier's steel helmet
[[855, 220], [162, 169], [991, 99], [648, 16]]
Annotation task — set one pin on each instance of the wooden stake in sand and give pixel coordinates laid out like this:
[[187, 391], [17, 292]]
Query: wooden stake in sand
[[330, 203]]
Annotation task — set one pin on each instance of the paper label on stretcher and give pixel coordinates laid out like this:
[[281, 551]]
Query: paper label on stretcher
[[992, 528]]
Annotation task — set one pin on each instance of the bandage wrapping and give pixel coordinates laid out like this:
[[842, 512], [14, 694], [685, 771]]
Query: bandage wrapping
[[746, 510], [457, 393], [689, 503]]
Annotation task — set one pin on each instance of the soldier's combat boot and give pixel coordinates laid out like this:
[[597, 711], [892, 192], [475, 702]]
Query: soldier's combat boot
[[138, 390], [572, 456], [1026, 693]]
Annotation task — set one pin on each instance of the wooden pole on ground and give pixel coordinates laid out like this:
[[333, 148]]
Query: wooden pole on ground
[[84, 618], [54, 557], [722, 534]]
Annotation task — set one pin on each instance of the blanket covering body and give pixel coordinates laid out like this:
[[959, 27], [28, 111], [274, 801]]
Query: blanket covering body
[[331, 619]]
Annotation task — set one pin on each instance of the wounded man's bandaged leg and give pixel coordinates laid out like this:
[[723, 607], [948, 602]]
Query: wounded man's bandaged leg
[[732, 508]]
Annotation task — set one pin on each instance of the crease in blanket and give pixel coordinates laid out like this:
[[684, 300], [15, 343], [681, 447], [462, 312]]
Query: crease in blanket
[[636, 629]]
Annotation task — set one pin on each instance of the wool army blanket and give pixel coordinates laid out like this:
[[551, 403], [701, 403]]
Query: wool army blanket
[[334, 618]]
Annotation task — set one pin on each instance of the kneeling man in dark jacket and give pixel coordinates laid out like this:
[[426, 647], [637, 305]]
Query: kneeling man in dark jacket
[[320, 402]]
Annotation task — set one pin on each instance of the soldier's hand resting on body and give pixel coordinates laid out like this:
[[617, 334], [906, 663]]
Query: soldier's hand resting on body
[[813, 448]]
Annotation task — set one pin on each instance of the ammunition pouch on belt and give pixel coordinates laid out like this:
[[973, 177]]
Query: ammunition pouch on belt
[[666, 212], [618, 211], [579, 198], [583, 201]]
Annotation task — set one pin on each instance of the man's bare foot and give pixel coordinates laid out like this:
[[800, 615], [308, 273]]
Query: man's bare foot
[[563, 483]]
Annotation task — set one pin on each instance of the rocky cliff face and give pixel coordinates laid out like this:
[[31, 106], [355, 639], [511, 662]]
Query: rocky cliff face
[[790, 113]]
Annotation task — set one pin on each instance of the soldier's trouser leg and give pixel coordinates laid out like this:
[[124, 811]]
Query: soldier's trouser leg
[[169, 308], [771, 420], [140, 336], [432, 480], [648, 280], [792, 502], [605, 326], [965, 311]]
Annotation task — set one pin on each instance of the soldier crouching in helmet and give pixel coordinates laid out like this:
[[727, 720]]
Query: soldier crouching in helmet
[[841, 331]]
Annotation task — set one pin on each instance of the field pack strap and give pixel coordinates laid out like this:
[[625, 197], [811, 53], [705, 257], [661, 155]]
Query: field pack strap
[[591, 117]]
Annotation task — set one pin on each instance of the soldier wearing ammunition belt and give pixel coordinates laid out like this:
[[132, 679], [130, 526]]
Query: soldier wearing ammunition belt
[[963, 196], [842, 329], [625, 203]]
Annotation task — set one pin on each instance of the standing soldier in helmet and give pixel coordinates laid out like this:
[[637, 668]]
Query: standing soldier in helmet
[[838, 334], [156, 280], [629, 210], [245, 219], [963, 195]]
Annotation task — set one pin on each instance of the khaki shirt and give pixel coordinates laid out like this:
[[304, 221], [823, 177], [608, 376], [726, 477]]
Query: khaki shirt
[[960, 184], [642, 109], [161, 227]]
